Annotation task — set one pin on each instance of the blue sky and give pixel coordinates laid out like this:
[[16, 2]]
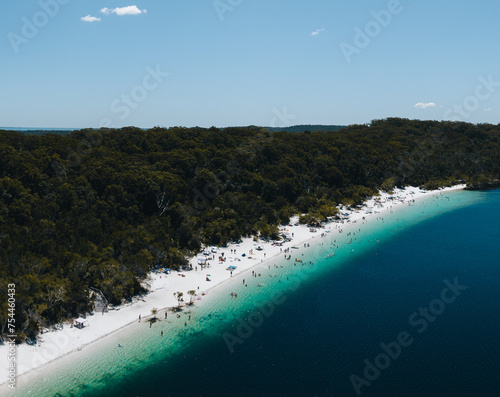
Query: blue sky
[[242, 62]]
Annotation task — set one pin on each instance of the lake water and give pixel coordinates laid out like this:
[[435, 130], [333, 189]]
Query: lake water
[[411, 307]]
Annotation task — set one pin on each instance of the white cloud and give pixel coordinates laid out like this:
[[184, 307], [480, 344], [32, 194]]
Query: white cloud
[[88, 18], [421, 105], [317, 31], [129, 10]]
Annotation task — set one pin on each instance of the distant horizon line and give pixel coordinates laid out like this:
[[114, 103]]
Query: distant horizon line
[[39, 128], [148, 128], [229, 126]]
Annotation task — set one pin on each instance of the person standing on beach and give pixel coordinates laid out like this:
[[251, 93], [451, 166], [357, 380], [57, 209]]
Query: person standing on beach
[[165, 315], [139, 318]]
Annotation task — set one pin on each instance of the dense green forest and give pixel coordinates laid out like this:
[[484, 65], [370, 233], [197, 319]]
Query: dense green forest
[[293, 128], [100, 208]]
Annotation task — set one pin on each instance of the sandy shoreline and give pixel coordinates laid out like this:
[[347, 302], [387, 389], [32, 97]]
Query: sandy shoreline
[[55, 344]]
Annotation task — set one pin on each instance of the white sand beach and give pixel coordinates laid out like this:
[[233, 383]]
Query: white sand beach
[[56, 343]]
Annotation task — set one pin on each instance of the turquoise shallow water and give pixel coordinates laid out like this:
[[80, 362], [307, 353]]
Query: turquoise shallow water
[[309, 334]]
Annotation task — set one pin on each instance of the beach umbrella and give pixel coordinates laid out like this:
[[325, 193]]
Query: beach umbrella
[[208, 275]]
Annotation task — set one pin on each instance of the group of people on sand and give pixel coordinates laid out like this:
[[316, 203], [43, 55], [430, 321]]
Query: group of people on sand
[[166, 317]]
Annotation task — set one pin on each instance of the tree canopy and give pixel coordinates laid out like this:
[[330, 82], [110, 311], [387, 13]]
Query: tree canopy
[[99, 208]]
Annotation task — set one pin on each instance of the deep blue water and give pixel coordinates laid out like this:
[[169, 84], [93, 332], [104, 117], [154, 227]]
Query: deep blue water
[[321, 334]]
